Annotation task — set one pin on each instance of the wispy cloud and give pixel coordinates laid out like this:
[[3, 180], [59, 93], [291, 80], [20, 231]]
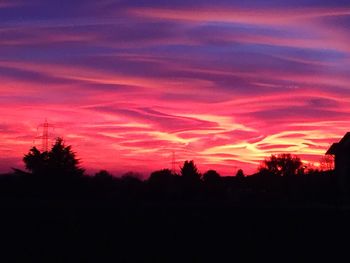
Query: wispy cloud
[[225, 83]]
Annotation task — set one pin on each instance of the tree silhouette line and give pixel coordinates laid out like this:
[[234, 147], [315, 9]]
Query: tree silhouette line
[[55, 207], [280, 178]]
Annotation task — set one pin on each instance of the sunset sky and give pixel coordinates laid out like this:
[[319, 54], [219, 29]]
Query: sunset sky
[[126, 83]]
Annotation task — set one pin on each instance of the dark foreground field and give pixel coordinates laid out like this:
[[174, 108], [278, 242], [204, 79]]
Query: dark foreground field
[[78, 231]]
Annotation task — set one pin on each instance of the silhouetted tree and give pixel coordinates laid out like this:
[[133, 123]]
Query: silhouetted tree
[[327, 163], [212, 187], [161, 177], [60, 160], [132, 176], [189, 172], [103, 175], [240, 174], [36, 161], [211, 176], [282, 165], [132, 185], [162, 183], [104, 184]]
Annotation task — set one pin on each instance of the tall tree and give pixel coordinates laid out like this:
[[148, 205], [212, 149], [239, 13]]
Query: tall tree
[[60, 161], [189, 172]]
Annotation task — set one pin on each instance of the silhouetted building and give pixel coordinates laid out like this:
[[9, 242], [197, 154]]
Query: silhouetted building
[[341, 153]]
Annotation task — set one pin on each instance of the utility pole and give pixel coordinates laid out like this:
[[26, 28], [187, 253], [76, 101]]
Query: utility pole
[[173, 163]]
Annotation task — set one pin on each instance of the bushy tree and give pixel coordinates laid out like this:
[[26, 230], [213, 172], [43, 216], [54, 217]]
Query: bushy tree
[[327, 163], [282, 165], [211, 176], [36, 161], [103, 174], [161, 177], [60, 161], [162, 183]]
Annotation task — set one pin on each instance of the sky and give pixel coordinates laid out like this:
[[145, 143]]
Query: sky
[[129, 83]]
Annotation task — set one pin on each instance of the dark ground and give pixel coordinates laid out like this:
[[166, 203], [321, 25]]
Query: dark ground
[[143, 232], [44, 219]]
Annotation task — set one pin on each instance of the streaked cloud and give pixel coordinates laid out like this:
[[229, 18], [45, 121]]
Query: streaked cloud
[[225, 83]]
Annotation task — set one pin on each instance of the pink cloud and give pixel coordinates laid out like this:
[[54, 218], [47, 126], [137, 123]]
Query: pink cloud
[[239, 15], [226, 99]]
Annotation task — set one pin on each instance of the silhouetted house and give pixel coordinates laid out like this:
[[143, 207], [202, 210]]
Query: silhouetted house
[[341, 153]]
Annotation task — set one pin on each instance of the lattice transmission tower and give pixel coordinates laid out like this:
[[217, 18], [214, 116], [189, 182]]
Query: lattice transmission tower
[[45, 136]]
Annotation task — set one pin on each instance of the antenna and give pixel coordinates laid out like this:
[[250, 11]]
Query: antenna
[[173, 163], [45, 135]]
